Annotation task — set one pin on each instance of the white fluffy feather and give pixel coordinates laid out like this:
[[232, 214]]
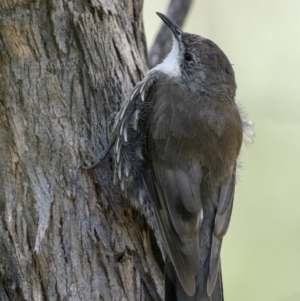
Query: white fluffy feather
[[248, 133]]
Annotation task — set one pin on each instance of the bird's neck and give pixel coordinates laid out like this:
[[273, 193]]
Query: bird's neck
[[171, 64]]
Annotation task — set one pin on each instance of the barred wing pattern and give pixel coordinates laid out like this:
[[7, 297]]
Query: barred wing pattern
[[130, 146]]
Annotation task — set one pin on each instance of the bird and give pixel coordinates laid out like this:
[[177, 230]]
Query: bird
[[177, 140]]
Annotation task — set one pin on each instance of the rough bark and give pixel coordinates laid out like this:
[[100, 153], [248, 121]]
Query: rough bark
[[65, 233]]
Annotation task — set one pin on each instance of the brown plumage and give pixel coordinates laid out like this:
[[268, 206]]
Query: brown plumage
[[178, 139]]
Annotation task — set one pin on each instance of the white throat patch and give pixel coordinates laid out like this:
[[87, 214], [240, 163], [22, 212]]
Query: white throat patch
[[171, 64]]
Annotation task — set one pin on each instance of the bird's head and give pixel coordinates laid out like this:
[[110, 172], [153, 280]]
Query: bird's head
[[197, 61]]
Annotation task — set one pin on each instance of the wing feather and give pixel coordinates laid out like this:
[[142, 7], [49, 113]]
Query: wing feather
[[178, 196], [222, 219], [172, 191]]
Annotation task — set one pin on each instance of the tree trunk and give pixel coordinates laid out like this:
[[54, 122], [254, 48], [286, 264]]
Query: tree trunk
[[65, 233]]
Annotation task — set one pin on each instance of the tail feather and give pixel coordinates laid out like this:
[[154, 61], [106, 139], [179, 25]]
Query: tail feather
[[175, 292], [217, 294]]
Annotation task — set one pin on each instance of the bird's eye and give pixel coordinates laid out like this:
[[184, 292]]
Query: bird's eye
[[188, 56]]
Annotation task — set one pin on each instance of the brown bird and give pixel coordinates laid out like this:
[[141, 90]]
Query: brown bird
[[178, 139]]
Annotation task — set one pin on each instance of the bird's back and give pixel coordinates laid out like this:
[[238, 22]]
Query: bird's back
[[188, 131], [186, 126]]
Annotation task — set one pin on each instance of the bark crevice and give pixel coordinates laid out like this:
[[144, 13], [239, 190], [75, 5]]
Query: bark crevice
[[62, 228]]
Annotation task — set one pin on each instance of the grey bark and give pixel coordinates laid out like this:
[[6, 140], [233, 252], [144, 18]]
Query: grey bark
[[65, 233], [177, 11]]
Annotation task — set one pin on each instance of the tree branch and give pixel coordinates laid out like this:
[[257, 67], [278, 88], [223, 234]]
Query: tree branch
[[177, 11]]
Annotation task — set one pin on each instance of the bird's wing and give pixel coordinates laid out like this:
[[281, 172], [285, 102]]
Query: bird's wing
[[175, 194], [129, 145], [222, 219]]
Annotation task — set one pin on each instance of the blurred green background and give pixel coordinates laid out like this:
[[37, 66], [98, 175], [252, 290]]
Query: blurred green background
[[261, 252]]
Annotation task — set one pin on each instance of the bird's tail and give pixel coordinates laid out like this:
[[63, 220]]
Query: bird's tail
[[175, 292]]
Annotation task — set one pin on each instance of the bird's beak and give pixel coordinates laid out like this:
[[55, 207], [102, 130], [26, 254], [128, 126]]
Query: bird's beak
[[177, 31]]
